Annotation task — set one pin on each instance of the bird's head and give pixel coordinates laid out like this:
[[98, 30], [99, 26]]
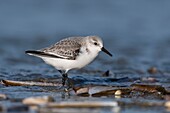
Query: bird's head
[[96, 44]]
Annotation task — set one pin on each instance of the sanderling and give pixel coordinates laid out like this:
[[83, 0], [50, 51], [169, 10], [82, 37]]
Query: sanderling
[[71, 53]]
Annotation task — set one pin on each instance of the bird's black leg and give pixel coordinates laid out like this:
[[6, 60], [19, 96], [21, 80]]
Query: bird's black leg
[[64, 79], [60, 71]]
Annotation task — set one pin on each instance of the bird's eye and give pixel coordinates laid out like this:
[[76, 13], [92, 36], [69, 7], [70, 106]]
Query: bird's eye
[[95, 43]]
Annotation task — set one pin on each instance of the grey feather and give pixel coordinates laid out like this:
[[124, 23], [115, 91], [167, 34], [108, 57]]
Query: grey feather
[[68, 48]]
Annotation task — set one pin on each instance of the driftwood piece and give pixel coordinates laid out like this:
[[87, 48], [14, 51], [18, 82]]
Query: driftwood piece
[[28, 83]]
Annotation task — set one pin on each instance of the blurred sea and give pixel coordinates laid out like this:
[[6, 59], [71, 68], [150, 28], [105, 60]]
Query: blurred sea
[[127, 27], [146, 19]]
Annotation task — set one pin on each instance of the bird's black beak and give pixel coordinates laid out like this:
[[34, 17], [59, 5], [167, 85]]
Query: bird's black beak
[[106, 51]]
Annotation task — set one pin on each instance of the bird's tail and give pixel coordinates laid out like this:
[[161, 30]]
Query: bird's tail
[[41, 54], [35, 53]]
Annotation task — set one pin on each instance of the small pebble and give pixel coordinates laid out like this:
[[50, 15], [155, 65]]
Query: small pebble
[[106, 74], [152, 70], [118, 92], [3, 96]]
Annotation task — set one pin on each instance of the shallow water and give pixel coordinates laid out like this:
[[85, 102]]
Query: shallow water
[[136, 32]]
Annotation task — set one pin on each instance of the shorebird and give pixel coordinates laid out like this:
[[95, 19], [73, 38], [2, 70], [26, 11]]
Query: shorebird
[[71, 53]]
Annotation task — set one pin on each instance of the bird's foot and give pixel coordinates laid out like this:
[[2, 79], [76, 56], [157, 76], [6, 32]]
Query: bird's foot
[[67, 83]]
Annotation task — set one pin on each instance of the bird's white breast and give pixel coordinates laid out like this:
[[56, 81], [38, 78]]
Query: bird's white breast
[[84, 58]]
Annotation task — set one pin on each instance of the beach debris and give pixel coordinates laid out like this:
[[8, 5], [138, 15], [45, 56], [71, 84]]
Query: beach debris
[[98, 91], [81, 90], [28, 83], [118, 92], [106, 74], [149, 88], [149, 79], [37, 100], [152, 70], [3, 96], [167, 104]]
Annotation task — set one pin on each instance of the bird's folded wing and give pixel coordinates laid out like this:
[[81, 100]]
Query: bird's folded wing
[[65, 49]]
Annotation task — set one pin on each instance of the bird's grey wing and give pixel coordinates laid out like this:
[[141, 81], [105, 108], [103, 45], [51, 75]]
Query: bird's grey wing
[[66, 49]]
